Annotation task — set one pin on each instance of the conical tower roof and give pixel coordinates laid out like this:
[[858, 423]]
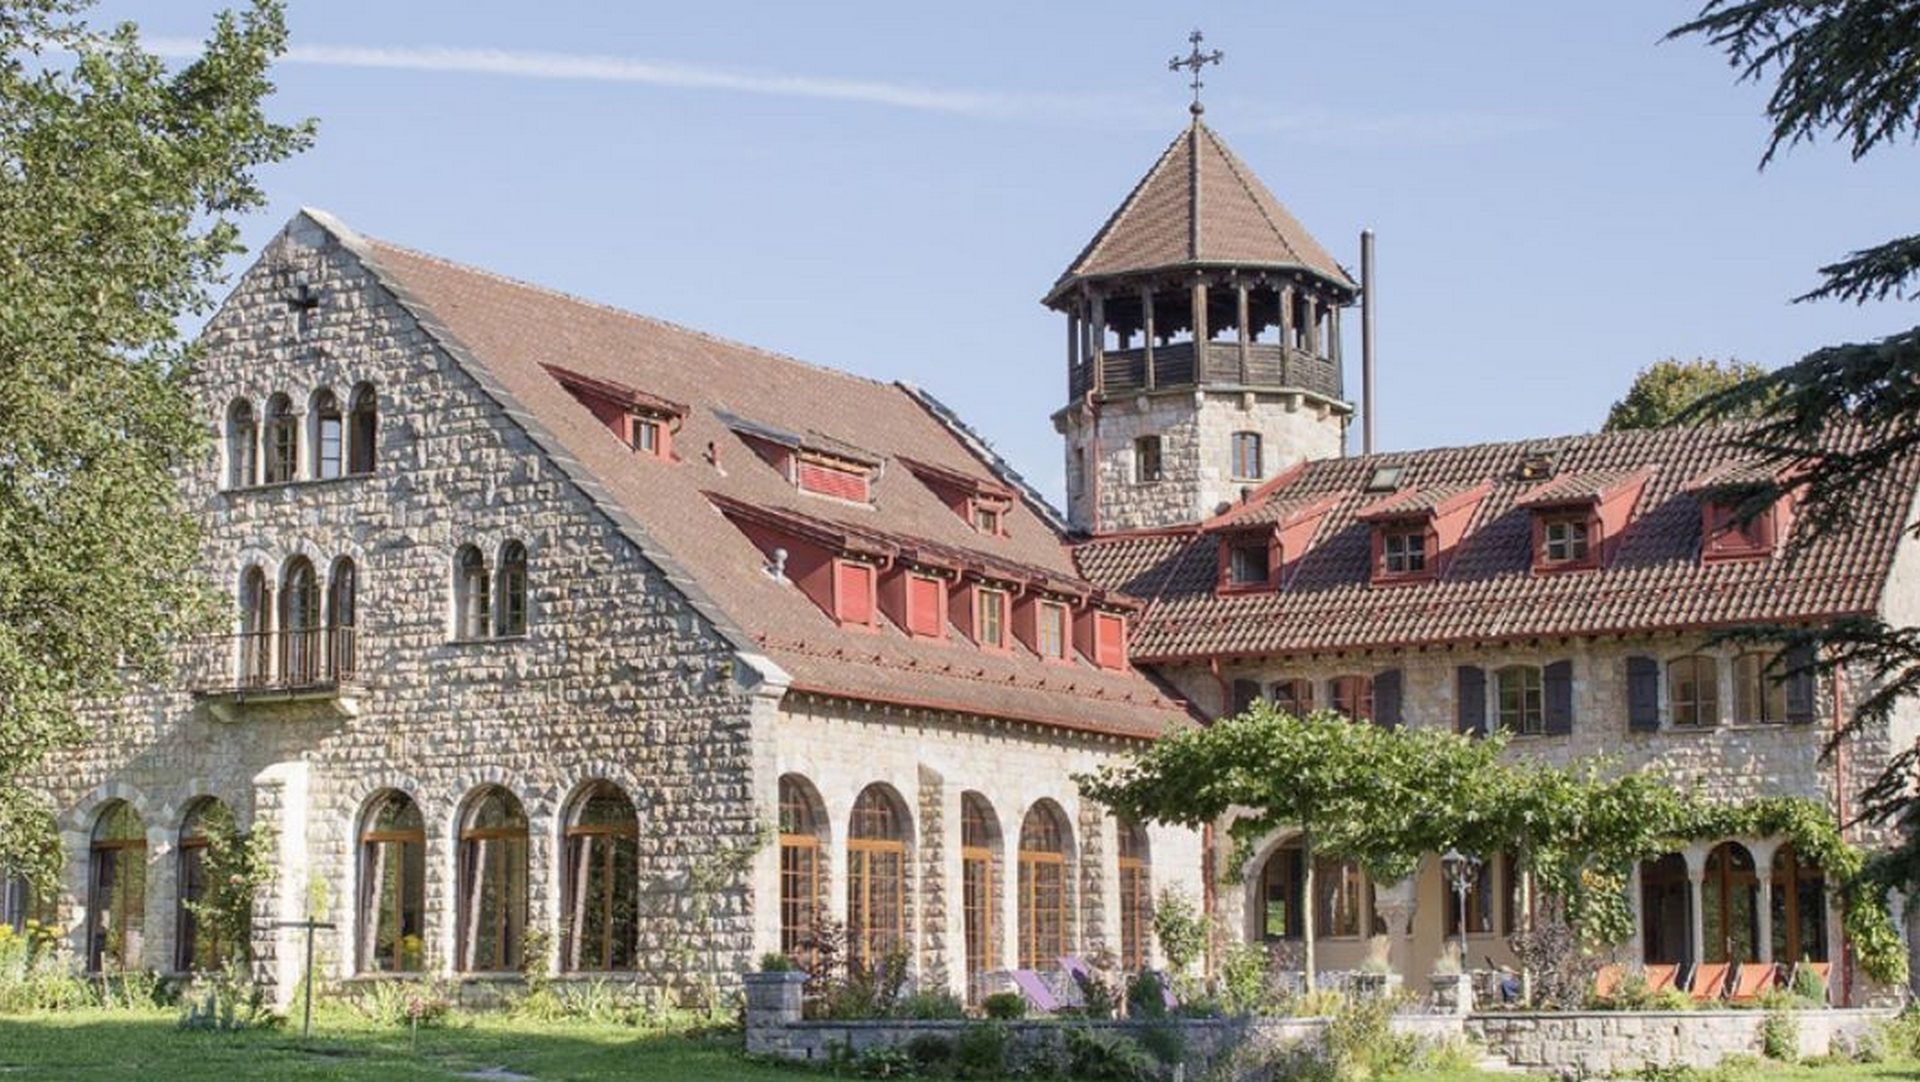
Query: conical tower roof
[[1200, 206]]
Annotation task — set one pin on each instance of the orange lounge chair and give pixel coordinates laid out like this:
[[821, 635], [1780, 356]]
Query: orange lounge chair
[[1606, 983], [1753, 979], [1710, 980], [1661, 977]]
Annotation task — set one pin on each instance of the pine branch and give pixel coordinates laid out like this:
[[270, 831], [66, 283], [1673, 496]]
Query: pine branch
[[1872, 274]]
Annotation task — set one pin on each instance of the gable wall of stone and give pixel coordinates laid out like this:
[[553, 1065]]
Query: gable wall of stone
[[617, 678]]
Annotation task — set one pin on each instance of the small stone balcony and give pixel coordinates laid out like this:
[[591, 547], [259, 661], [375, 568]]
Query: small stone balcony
[[316, 666]]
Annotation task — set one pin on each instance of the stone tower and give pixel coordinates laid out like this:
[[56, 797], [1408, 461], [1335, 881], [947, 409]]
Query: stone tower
[[1203, 345]]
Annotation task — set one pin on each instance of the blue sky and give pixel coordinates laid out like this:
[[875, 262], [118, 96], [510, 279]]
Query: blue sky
[[889, 188]]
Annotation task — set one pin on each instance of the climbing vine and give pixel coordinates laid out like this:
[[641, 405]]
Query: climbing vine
[[1386, 797]]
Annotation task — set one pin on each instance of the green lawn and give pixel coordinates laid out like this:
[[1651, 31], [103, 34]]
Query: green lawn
[[117, 1045]]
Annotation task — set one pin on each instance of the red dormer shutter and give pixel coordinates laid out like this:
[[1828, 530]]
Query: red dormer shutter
[[1109, 640], [835, 481], [853, 593], [924, 602]]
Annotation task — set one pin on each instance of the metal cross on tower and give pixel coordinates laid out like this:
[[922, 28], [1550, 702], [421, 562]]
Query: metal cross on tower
[[1194, 62]]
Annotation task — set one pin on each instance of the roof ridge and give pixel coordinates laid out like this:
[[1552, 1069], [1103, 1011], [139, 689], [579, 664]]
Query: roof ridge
[[616, 310], [1626, 435], [1240, 174]]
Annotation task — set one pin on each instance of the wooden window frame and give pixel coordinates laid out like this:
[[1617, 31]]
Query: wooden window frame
[[1290, 693], [329, 436], [1391, 566], [868, 944], [978, 896], [1352, 694], [802, 875], [1052, 632], [490, 857], [1700, 710], [512, 611], [1135, 867], [1046, 928], [581, 853], [116, 885], [1530, 717], [1149, 465], [368, 909], [1239, 444], [1574, 552], [1289, 859], [473, 603], [1784, 896], [1758, 699], [997, 601]]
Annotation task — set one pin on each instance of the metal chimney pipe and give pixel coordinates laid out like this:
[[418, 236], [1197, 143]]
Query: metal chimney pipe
[[1366, 341]]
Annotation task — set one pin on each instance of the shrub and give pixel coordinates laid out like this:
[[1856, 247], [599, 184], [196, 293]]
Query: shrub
[[1780, 1030], [1562, 970], [930, 1006], [228, 1002], [1005, 1006], [35, 975], [866, 991], [930, 1051], [422, 1004], [1180, 928], [1243, 978], [1100, 1056], [1808, 986], [1146, 995], [775, 962], [1360, 1041], [980, 1052], [1900, 1035]]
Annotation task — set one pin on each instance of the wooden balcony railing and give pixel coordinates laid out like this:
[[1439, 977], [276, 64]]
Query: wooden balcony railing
[[1267, 364]]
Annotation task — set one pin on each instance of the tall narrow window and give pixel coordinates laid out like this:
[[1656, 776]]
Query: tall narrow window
[[393, 886], [600, 930], [1136, 897], [1043, 886], [1799, 902], [1758, 697], [243, 445], [802, 879], [1247, 464], [876, 879], [493, 882], [1343, 899], [283, 441], [990, 617], [256, 629], [329, 436], [196, 948], [363, 429], [1666, 910], [1050, 630], [470, 608], [979, 838], [1731, 894], [342, 653], [1146, 459], [513, 589], [1522, 708], [300, 628], [1693, 690], [116, 890], [1283, 894]]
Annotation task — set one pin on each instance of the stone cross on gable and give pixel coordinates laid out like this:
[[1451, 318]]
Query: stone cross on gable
[[1193, 62], [302, 299]]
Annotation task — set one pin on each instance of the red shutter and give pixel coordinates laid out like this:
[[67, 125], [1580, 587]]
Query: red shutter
[[833, 481], [923, 606], [853, 593], [1109, 641]]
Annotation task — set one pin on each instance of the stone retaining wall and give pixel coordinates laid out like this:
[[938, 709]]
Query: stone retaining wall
[[1608, 1042]]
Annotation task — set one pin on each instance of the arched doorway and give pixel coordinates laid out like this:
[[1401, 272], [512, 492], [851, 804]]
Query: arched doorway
[[1731, 896], [1666, 911]]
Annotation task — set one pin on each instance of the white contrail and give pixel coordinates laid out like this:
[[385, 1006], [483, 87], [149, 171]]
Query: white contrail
[[615, 69]]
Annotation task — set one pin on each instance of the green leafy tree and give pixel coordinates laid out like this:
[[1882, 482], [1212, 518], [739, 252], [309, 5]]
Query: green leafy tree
[[120, 182], [1842, 70], [1663, 391]]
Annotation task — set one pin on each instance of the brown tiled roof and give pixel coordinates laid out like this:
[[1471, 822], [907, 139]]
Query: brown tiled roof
[[507, 332], [1200, 204], [1654, 581], [1578, 487]]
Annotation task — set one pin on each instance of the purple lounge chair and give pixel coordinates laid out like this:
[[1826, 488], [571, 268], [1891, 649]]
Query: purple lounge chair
[[1038, 995]]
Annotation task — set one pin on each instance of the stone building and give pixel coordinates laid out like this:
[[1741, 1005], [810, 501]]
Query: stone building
[[549, 618]]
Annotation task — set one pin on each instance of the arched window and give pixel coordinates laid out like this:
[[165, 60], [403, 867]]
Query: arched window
[[198, 949], [393, 886], [1521, 703], [341, 644], [116, 890], [1693, 690], [513, 589], [470, 608], [802, 879], [602, 887], [243, 445], [1293, 696], [1136, 897], [979, 896], [300, 628], [1732, 895], [1666, 910], [283, 441], [1353, 696], [363, 429], [256, 629], [329, 435], [1044, 898], [493, 882], [1283, 897], [1799, 901], [876, 879]]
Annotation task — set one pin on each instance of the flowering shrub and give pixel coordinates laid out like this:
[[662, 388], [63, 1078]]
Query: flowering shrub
[[35, 974]]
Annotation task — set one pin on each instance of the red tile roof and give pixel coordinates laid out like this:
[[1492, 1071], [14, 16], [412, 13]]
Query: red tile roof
[[1654, 581], [1199, 205], [507, 333]]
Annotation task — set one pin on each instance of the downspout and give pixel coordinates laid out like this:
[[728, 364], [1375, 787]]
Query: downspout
[[1840, 818]]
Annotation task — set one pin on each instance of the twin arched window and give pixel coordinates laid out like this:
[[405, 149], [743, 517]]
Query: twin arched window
[[314, 637], [343, 442], [477, 612]]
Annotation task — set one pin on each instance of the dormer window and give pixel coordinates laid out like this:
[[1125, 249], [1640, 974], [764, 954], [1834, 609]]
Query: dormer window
[[1247, 564], [990, 617], [1403, 549], [990, 517], [646, 436], [642, 421], [1564, 539], [984, 503], [840, 480], [1727, 537], [1050, 630]]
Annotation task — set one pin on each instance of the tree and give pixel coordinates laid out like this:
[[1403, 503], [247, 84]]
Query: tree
[[1663, 391], [1843, 69], [120, 183]]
